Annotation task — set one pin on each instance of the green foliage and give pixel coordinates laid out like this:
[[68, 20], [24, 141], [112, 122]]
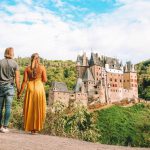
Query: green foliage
[[16, 120], [55, 120], [79, 124], [143, 70], [125, 126], [115, 125], [57, 70]]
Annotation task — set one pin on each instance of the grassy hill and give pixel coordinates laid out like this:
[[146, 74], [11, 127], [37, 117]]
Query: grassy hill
[[128, 126]]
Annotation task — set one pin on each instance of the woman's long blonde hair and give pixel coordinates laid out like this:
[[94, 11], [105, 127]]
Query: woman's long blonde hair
[[34, 64]]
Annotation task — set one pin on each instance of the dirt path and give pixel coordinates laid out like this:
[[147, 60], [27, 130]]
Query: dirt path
[[16, 140]]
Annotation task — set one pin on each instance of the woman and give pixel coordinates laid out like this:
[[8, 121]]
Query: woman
[[35, 100]]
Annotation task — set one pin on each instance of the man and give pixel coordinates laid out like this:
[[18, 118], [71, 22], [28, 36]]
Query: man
[[9, 71]]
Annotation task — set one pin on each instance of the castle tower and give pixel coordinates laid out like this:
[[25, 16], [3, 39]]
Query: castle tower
[[130, 79], [96, 67], [81, 65], [80, 93], [88, 81]]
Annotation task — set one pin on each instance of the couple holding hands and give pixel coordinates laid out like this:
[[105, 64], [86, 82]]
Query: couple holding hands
[[34, 110]]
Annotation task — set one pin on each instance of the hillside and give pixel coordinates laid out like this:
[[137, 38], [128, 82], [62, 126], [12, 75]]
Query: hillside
[[116, 125], [143, 70]]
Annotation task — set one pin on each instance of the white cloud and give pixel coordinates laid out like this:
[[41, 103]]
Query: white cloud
[[124, 33], [58, 3]]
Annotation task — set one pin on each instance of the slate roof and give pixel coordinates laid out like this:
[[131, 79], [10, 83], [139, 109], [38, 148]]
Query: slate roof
[[79, 85], [80, 60], [129, 67], [113, 63], [88, 76], [59, 86], [95, 60]]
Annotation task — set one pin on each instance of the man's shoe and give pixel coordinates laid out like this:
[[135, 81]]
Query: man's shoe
[[4, 130]]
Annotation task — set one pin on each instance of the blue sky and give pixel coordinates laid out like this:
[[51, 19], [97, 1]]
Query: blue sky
[[62, 29], [76, 9]]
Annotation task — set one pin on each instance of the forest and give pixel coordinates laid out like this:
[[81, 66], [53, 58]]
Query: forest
[[143, 72]]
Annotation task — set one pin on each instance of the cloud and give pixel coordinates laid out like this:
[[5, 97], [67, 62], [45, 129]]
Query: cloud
[[123, 33], [58, 3]]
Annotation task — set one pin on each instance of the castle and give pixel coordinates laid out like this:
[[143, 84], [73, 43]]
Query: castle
[[100, 79]]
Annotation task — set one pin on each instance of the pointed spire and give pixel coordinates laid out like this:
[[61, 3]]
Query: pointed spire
[[79, 85], [88, 76]]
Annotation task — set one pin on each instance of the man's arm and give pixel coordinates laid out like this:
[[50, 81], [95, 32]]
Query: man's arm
[[17, 80]]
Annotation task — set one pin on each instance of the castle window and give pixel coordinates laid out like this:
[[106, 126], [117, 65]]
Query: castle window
[[97, 78], [115, 85], [96, 92], [120, 80], [89, 82], [124, 81], [115, 80], [110, 79], [128, 80]]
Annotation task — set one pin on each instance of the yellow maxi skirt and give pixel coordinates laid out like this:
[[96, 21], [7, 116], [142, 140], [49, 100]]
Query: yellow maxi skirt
[[34, 106]]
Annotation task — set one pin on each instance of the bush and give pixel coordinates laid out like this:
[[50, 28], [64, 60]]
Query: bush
[[80, 124], [16, 119]]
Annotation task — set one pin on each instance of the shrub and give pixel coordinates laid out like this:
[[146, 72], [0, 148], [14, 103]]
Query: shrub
[[80, 124], [16, 119]]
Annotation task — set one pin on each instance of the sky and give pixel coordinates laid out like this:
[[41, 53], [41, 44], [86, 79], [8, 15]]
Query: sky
[[62, 29]]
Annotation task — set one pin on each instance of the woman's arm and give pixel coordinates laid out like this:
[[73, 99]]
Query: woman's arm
[[44, 76], [25, 79]]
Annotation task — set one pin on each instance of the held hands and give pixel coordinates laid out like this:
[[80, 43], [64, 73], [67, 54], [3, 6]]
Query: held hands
[[18, 94]]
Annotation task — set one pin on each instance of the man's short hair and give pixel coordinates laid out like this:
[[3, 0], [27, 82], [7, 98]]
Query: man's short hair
[[9, 52]]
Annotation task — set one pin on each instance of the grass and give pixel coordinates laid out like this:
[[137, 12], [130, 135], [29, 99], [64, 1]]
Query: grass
[[125, 126]]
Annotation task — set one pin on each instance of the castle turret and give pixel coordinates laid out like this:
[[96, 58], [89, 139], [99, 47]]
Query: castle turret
[[81, 65], [88, 80], [130, 79]]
